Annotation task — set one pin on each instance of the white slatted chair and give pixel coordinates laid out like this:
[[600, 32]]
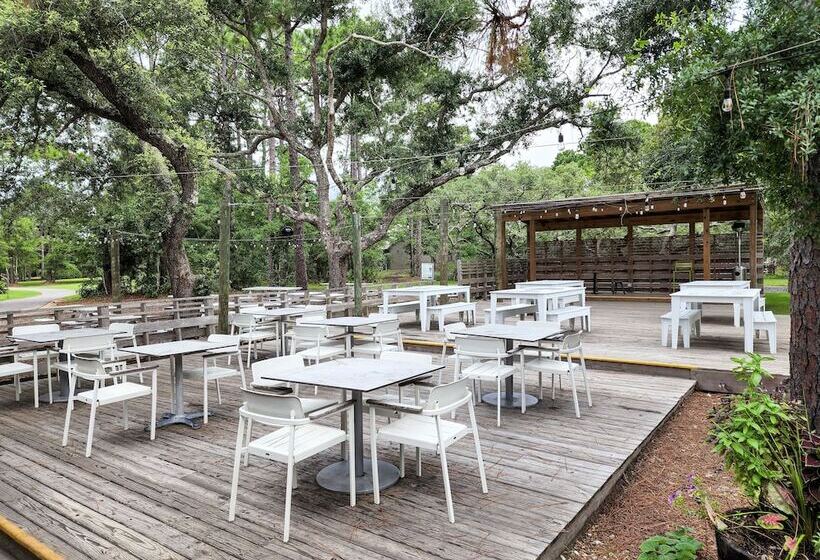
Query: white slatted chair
[[313, 344], [386, 337], [369, 330], [98, 346], [271, 366], [252, 334], [299, 437], [423, 427], [412, 358], [557, 366], [312, 312], [15, 369], [212, 371], [33, 356], [448, 337], [120, 390], [487, 355], [124, 331]]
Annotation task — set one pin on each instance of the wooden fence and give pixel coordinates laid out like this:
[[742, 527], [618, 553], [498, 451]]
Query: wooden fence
[[648, 269]]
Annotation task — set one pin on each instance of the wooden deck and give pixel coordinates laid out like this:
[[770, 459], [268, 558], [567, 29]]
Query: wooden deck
[[629, 331], [547, 472]]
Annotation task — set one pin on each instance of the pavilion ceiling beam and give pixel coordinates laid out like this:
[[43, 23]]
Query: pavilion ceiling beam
[[722, 215]]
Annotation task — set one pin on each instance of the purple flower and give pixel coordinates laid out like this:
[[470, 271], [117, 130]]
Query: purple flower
[[673, 496]]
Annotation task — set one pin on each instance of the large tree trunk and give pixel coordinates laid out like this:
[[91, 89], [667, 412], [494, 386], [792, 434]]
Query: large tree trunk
[[299, 254], [175, 258], [337, 268], [804, 352]]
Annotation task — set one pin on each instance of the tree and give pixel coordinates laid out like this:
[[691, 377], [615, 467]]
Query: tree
[[406, 92], [742, 103], [132, 64]]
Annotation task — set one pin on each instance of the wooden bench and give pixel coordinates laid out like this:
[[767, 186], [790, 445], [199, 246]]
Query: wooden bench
[[766, 321], [689, 322], [447, 308], [571, 312], [504, 311]]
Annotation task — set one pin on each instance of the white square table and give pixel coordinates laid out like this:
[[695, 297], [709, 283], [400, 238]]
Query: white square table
[[175, 350], [719, 285], [551, 283], [349, 324], [43, 339], [424, 294], [545, 297], [531, 331], [358, 375], [746, 299]]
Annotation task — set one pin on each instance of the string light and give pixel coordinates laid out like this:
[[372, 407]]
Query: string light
[[726, 105], [743, 193]]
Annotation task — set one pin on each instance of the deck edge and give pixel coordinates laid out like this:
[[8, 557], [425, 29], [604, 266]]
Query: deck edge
[[577, 524], [26, 541]]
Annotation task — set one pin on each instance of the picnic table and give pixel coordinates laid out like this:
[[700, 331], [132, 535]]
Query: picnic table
[[175, 350], [719, 285], [424, 295], [746, 299], [545, 297], [359, 376]]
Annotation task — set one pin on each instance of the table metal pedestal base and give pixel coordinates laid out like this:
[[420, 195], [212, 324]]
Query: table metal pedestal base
[[192, 419], [335, 477], [60, 393], [515, 402]]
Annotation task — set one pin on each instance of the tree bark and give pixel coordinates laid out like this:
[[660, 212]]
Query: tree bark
[[337, 268], [804, 351]]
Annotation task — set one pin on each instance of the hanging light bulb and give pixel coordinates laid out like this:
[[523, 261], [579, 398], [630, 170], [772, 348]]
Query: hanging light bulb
[[685, 204], [576, 215], [726, 105], [560, 139], [724, 200], [742, 193], [462, 169]]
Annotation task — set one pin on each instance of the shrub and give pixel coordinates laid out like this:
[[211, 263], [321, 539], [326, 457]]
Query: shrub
[[4, 287], [91, 288], [674, 545]]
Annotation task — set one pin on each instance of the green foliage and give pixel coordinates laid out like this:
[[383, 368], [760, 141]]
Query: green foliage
[[753, 431], [673, 545], [4, 287]]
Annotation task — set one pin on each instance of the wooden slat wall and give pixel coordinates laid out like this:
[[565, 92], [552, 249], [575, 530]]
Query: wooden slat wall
[[653, 260]]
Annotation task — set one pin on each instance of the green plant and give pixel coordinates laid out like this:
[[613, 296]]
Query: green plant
[[774, 457], [673, 545], [3, 286]]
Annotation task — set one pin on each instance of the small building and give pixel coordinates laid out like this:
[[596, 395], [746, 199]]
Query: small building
[[639, 263]]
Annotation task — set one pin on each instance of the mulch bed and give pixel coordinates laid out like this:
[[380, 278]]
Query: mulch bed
[[640, 508]]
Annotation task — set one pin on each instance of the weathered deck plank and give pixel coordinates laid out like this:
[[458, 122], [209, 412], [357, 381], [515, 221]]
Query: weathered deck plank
[[168, 498]]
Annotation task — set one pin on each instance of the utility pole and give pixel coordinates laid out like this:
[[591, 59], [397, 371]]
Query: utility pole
[[224, 255], [116, 294], [442, 245], [357, 264]]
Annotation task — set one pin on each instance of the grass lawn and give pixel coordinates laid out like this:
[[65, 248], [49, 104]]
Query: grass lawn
[[15, 293], [66, 284], [778, 303], [776, 280]]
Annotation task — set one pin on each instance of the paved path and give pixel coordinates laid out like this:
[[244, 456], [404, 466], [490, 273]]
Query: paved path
[[47, 295]]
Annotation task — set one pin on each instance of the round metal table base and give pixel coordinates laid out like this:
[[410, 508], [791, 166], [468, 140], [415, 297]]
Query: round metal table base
[[335, 477], [515, 402]]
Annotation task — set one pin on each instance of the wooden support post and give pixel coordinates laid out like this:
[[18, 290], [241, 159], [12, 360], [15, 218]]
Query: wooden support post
[[459, 271], [357, 264], [630, 254], [753, 244], [692, 244], [224, 256], [761, 236], [707, 246], [116, 292], [442, 245], [500, 251], [531, 250], [578, 249]]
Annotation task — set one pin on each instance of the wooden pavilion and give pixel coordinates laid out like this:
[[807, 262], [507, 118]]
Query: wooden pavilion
[[637, 262]]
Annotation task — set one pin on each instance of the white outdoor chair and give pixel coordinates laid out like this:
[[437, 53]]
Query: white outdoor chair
[[447, 338], [556, 366], [313, 344], [212, 371], [299, 437], [284, 363], [124, 331], [32, 355], [15, 369], [250, 332], [412, 358], [312, 312], [386, 337], [99, 346], [120, 390], [487, 355], [423, 427]]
